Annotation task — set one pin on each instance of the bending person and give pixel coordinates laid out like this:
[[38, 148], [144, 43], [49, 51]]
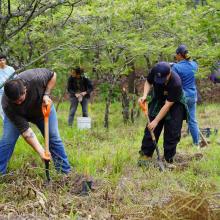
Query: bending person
[[166, 110], [22, 103]]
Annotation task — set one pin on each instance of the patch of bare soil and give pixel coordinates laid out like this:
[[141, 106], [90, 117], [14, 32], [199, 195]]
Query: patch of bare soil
[[25, 196], [182, 160]]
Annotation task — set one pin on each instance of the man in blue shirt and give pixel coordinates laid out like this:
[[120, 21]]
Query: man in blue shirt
[[187, 69], [5, 73]]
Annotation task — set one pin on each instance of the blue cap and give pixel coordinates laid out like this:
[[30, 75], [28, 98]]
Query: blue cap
[[161, 70], [182, 49]]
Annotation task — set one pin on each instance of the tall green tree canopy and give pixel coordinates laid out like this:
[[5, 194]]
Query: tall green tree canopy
[[106, 36]]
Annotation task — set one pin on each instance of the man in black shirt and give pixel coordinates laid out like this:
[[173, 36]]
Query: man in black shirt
[[165, 110], [22, 103], [79, 88]]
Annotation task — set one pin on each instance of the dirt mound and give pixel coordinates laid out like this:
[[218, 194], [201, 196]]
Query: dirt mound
[[181, 157], [183, 160], [26, 197], [185, 205]]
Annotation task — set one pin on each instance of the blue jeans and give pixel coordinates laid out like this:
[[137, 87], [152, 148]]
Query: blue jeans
[[193, 125], [56, 147], [1, 110], [73, 107]]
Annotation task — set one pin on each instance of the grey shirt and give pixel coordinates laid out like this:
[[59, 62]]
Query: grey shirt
[[36, 81]]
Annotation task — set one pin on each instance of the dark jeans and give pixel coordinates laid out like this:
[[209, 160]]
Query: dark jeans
[[73, 107], [172, 133], [11, 134]]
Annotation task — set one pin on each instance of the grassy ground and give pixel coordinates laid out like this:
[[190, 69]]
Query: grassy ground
[[121, 189]]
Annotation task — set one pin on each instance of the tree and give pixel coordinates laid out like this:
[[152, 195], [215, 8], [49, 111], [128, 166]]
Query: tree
[[16, 24]]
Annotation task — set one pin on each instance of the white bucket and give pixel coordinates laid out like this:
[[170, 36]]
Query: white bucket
[[83, 122]]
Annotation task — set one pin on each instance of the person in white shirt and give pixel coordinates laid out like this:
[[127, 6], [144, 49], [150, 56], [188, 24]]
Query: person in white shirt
[[6, 72]]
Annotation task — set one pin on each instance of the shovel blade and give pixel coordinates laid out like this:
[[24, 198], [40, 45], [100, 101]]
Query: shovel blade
[[161, 166], [47, 170]]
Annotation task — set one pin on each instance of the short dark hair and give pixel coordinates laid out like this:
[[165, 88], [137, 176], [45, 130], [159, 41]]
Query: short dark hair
[[2, 56], [183, 51], [14, 89], [79, 70]]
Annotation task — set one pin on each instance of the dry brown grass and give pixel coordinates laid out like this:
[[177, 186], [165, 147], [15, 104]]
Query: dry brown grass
[[28, 198], [184, 205]]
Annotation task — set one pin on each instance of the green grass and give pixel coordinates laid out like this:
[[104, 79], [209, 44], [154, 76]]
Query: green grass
[[110, 157]]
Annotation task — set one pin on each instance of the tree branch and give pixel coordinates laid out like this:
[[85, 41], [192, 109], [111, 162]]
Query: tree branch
[[9, 7], [23, 24], [60, 47], [34, 12], [64, 23]]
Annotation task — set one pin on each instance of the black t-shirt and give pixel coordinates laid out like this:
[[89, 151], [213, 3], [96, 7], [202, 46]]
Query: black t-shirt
[[36, 81], [171, 92], [76, 85]]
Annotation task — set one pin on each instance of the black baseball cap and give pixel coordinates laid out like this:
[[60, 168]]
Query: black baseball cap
[[161, 70]]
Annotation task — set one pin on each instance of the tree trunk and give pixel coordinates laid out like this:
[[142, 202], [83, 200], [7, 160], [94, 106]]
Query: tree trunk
[[107, 107], [131, 78], [125, 105], [133, 109]]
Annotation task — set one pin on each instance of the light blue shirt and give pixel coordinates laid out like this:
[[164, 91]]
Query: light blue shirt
[[187, 69], [4, 75]]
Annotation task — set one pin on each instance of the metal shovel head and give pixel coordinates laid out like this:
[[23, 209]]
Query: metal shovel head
[[161, 165], [86, 188], [47, 170]]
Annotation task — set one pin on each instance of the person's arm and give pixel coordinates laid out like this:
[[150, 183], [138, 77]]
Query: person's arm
[[32, 140], [88, 86], [174, 95], [69, 86], [162, 113], [50, 85], [147, 88], [23, 126]]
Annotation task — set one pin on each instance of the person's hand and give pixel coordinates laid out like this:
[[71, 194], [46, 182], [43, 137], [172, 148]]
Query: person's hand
[[83, 93], [77, 95], [142, 99], [152, 125], [80, 98], [46, 100], [45, 156]]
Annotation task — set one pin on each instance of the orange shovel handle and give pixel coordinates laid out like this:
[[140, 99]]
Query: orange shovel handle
[[143, 106], [46, 110], [46, 113]]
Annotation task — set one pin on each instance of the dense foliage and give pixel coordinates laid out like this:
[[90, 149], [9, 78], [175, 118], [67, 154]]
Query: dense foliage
[[108, 37]]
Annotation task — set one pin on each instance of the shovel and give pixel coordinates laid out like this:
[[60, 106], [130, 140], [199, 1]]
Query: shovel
[[204, 141], [143, 106], [46, 113]]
